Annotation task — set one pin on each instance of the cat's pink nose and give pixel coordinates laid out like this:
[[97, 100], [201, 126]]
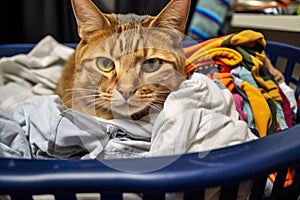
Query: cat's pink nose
[[126, 92]]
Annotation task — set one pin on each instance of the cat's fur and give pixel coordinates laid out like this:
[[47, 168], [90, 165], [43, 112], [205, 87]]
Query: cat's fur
[[124, 65]]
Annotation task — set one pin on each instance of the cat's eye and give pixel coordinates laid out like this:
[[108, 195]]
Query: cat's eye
[[105, 64], [151, 65]]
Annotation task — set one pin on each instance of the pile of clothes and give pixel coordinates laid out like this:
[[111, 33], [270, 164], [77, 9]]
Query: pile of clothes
[[238, 61]]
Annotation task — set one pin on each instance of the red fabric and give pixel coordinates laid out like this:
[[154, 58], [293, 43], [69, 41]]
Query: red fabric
[[287, 110]]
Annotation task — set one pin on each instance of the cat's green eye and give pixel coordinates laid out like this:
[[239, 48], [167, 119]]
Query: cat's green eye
[[105, 64], [151, 65]]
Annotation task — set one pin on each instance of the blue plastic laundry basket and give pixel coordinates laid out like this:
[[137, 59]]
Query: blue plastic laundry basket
[[189, 173], [290, 56]]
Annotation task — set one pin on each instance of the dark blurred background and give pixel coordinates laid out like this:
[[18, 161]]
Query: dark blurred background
[[28, 21]]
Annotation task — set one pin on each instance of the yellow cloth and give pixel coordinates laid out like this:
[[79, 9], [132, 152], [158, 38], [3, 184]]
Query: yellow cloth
[[261, 112]]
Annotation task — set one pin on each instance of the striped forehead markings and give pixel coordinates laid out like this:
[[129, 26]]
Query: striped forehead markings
[[122, 45]]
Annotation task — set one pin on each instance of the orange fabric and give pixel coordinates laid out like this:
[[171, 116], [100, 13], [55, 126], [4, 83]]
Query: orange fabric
[[208, 44], [227, 56], [225, 79], [288, 179]]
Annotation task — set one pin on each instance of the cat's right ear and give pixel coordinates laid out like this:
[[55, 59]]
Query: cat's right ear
[[174, 16], [89, 18]]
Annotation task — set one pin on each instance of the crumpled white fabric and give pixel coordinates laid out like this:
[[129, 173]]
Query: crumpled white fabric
[[54, 131], [198, 117], [290, 95], [26, 76]]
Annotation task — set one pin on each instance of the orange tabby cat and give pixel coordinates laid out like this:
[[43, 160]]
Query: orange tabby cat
[[124, 65]]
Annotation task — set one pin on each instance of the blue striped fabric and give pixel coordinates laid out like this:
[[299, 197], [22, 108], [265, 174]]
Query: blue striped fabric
[[208, 19], [198, 32], [209, 15]]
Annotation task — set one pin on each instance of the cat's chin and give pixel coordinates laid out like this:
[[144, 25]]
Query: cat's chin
[[130, 111]]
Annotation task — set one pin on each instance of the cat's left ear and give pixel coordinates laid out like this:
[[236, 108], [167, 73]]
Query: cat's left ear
[[174, 15]]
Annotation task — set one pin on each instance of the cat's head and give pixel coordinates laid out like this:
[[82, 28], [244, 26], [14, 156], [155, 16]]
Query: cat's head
[[127, 64]]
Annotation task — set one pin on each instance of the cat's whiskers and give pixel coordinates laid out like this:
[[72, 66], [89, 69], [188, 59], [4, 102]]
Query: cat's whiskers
[[73, 90], [87, 105], [90, 105], [88, 99], [77, 102], [155, 107], [92, 96], [163, 92], [159, 99], [82, 89], [101, 106]]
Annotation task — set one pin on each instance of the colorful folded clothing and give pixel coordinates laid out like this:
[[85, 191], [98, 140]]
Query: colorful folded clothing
[[240, 61]]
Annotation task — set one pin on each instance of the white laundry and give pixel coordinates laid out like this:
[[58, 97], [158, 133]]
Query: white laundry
[[26, 76]]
